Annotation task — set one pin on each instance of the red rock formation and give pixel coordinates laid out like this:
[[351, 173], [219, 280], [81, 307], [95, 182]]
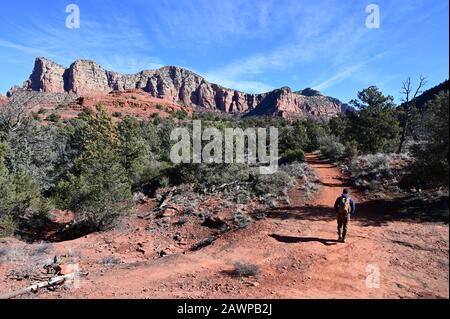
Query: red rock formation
[[180, 86], [47, 76]]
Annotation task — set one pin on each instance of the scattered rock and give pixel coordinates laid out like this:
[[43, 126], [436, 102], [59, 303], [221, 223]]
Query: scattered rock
[[163, 221], [203, 243], [241, 219], [259, 214], [162, 253], [140, 248], [139, 198], [215, 222], [177, 237], [168, 212]]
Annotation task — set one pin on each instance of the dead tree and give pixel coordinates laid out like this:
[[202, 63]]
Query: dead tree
[[408, 104], [35, 287], [15, 111]]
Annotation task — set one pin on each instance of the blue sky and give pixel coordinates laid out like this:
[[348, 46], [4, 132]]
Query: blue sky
[[250, 45]]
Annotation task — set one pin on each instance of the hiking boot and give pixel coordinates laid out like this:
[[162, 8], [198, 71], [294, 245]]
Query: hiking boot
[[340, 239]]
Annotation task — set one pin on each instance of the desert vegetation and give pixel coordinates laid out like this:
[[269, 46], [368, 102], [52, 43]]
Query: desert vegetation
[[110, 178], [94, 165], [390, 149]]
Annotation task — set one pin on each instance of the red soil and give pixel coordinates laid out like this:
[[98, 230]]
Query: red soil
[[136, 103], [295, 248]]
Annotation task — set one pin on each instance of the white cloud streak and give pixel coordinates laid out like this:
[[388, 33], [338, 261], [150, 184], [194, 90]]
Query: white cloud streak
[[104, 43]]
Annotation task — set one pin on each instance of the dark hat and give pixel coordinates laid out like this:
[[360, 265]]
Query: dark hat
[[345, 191]]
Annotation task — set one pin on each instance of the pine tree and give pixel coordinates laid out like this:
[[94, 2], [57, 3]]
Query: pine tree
[[97, 187], [375, 125], [135, 151], [20, 197], [432, 154]]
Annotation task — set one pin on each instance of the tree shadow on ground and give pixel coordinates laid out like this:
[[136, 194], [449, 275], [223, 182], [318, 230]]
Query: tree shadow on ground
[[44, 229], [306, 212], [321, 161], [341, 184], [292, 239], [375, 212]]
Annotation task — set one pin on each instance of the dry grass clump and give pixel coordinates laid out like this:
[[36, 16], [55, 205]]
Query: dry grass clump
[[378, 171]]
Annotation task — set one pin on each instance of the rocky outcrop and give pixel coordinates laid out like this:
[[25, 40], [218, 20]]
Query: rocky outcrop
[[3, 100], [180, 86], [39, 99], [47, 76], [285, 103]]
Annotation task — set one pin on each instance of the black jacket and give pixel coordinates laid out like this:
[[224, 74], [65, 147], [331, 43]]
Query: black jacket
[[352, 203]]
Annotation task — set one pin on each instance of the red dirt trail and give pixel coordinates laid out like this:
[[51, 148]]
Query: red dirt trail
[[298, 256]]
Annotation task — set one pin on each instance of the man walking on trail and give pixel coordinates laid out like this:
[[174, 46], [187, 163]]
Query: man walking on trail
[[344, 207]]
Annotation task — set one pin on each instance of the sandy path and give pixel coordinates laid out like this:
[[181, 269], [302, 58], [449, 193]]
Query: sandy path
[[298, 256]]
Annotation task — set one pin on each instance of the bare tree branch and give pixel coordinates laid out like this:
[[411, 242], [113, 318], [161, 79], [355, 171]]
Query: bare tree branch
[[408, 105]]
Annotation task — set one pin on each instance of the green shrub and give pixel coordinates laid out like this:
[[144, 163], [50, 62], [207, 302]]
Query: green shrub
[[296, 155], [8, 226], [276, 184], [351, 149], [330, 147], [110, 261], [54, 117], [245, 270], [378, 171], [155, 173], [241, 219], [181, 114], [314, 131], [134, 149], [432, 153], [97, 187], [20, 197], [307, 178], [206, 176], [99, 201]]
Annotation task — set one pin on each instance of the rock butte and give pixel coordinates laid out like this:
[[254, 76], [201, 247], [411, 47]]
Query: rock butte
[[180, 86]]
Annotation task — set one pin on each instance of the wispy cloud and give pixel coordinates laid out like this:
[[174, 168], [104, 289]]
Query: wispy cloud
[[130, 64], [319, 38], [206, 22], [336, 42], [337, 77], [102, 42], [350, 70], [27, 49], [249, 45]]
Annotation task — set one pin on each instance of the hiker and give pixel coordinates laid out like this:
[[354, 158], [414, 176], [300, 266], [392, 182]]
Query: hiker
[[344, 207]]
